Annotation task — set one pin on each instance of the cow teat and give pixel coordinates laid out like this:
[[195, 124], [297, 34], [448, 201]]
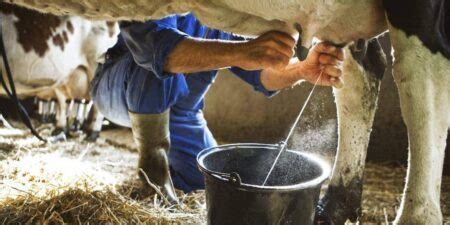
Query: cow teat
[[300, 51]]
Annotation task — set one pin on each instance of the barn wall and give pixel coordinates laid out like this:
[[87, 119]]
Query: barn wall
[[237, 113]]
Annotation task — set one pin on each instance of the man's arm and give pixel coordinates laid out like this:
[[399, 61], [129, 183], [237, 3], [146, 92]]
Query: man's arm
[[196, 55], [271, 52], [272, 49]]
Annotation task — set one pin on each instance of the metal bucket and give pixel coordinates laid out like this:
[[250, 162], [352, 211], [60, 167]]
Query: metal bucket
[[233, 177]]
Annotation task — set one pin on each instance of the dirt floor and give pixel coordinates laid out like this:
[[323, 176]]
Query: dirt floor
[[79, 182]]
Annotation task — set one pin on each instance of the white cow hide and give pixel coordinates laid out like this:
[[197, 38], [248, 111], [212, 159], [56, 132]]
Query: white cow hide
[[326, 20]]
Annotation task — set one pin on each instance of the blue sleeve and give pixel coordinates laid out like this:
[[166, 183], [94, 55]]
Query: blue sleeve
[[151, 42], [254, 79], [235, 37]]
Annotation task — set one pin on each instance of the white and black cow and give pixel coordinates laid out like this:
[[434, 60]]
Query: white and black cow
[[419, 32], [55, 57]]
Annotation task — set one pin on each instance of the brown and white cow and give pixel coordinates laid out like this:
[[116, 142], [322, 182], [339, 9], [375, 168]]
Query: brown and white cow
[[419, 32], [55, 57]]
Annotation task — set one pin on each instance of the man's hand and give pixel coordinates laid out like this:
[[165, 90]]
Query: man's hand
[[323, 58], [271, 50], [326, 59]]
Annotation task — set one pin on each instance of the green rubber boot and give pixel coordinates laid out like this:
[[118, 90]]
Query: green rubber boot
[[151, 133]]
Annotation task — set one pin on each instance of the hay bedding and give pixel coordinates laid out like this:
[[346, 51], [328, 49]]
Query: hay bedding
[[79, 182]]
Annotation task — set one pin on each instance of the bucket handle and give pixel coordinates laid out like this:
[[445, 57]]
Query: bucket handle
[[232, 177]]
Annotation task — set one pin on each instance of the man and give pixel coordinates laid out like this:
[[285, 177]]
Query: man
[[155, 78]]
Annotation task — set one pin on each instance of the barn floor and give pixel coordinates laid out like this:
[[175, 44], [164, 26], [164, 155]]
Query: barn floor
[[79, 182]]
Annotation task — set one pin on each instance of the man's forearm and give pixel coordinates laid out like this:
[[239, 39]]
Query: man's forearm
[[196, 55], [272, 49]]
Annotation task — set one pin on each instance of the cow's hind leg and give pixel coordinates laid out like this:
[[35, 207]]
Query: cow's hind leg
[[422, 78], [93, 125], [356, 105], [61, 115]]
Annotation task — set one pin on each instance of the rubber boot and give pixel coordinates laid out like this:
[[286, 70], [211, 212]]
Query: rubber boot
[[151, 133]]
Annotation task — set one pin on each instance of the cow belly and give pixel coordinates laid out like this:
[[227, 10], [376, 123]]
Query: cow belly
[[359, 20], [327, 20], [43, 71], [111, 10]]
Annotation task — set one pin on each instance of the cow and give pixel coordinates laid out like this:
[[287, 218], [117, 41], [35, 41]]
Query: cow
[[419, 32], [55, 57]]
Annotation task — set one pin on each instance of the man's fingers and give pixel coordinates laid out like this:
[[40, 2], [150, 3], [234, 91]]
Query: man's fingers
[[334, 71], [329, 60], [281, 47], [329, 49], [336, 82], [326, 80], [286, 39], [273, 49], [281, 41]]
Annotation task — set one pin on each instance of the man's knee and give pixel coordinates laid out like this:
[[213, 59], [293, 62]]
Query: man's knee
[[147, 94]]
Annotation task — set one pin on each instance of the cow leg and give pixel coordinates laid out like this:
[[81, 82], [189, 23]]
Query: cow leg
[[40, 103], [94, 124], [51, 111], [422, 78], [61, 115], [78, 118], [356, 105], [44, 111], [77, 88]]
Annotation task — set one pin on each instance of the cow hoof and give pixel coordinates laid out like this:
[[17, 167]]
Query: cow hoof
[[326, 215], [61, 136], [58, 131], [44, 119], [92, 136], [76, 126], [340, 204], [322, 219]]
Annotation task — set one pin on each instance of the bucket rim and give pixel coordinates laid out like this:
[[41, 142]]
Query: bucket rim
[[313, 183]]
